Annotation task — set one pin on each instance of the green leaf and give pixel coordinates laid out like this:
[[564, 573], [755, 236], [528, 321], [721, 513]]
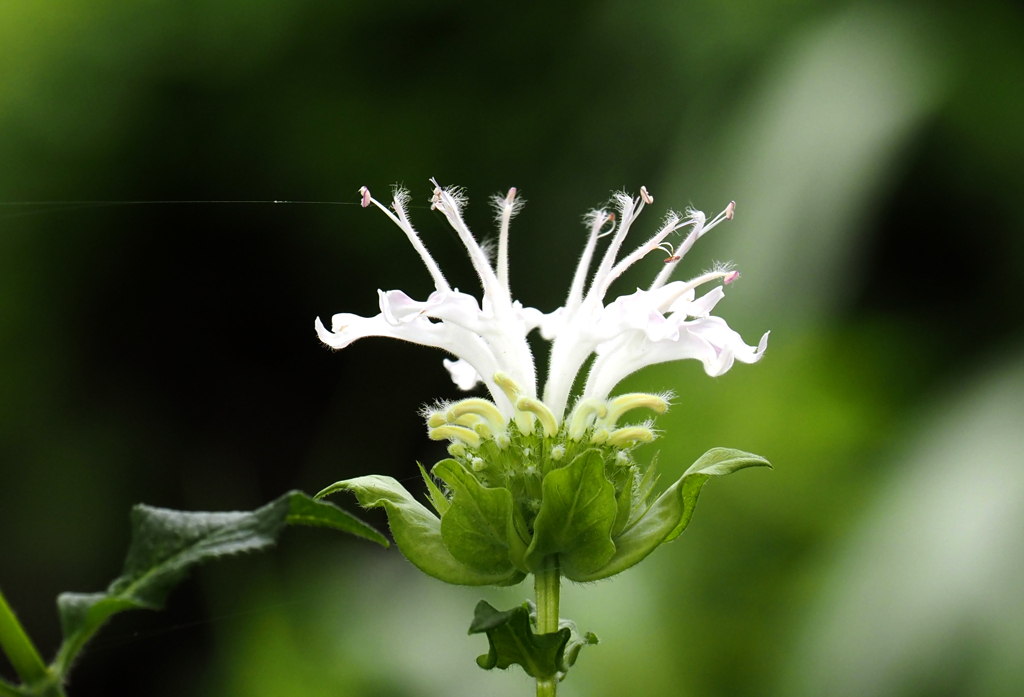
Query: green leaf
[[666, 519], [166, 545], [475, 527], [417, 532], [576, 517], [438, 500], [512, 640]]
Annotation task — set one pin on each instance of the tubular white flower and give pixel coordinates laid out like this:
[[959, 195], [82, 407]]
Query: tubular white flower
[[666, 322]]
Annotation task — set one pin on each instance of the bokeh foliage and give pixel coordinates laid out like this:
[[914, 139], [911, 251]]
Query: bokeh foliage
[[165, 353]]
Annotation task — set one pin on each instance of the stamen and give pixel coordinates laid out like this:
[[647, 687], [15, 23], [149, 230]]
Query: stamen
[[630, 434], [582, 416], [648, 199], [480, 407], [453, 432], [730, 277], [730, 210], [634, 400], [365, 193], [535, 406]]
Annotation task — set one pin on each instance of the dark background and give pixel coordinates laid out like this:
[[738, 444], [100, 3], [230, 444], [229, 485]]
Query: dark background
[[165, 353]]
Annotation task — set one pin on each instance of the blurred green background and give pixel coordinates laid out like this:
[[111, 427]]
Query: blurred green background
[[166, 353]]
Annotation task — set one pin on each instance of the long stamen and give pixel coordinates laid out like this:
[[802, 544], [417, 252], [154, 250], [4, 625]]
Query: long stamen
[[629, 210], [671, 225], [507, 207], [597, 219], [445, 201], [700, 228], [402, 221]]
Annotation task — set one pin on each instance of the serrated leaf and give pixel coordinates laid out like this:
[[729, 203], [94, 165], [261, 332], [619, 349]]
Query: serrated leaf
[[666, 519], [475, 527], [576, 517], [167, 544], [512, 641], [417, 532]]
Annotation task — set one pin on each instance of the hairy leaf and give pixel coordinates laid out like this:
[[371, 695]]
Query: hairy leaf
[[666, 519], [417, 532], [576, 517], [166, 545], [512, 640]]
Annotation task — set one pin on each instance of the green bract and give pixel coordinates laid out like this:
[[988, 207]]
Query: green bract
[[502, 517]]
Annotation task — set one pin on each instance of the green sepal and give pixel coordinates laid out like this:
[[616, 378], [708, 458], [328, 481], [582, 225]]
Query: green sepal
[[166, 545], [669, 515], [417, 532], [438, 500], [475, 527], [624, 505], [576, 516], [512, 640]]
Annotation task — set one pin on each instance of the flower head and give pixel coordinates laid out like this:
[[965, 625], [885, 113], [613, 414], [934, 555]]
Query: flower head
[[530, 482]]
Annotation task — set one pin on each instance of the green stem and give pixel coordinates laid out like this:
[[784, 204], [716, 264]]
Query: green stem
[[19, 648], [546, 585]]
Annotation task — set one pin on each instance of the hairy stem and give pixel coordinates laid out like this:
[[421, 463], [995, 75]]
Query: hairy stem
[[546, 585], [20, 650]]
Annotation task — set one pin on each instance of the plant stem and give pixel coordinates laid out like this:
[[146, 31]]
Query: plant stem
[[546, 585], [19, 648]]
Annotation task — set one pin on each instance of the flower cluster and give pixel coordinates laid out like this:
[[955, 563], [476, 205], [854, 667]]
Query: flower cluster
[[522, 458]]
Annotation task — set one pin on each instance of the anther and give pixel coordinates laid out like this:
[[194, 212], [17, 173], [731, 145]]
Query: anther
[[365, 193], [634, 400], [535, 406], [630, 434], [451, 431], [511, 196], [730, 210], [582, 415], [730, 277], [648, 199]]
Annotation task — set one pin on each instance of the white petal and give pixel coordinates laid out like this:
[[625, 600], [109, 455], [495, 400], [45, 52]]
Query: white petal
[[463, 374]]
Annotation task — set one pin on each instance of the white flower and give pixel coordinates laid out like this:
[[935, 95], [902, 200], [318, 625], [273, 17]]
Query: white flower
[[666, 322]]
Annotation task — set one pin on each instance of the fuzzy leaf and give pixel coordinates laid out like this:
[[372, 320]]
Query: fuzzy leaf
[[576, 517], [417, 532], [475, 527], [166, 545], [512, 640], [666, 519]]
